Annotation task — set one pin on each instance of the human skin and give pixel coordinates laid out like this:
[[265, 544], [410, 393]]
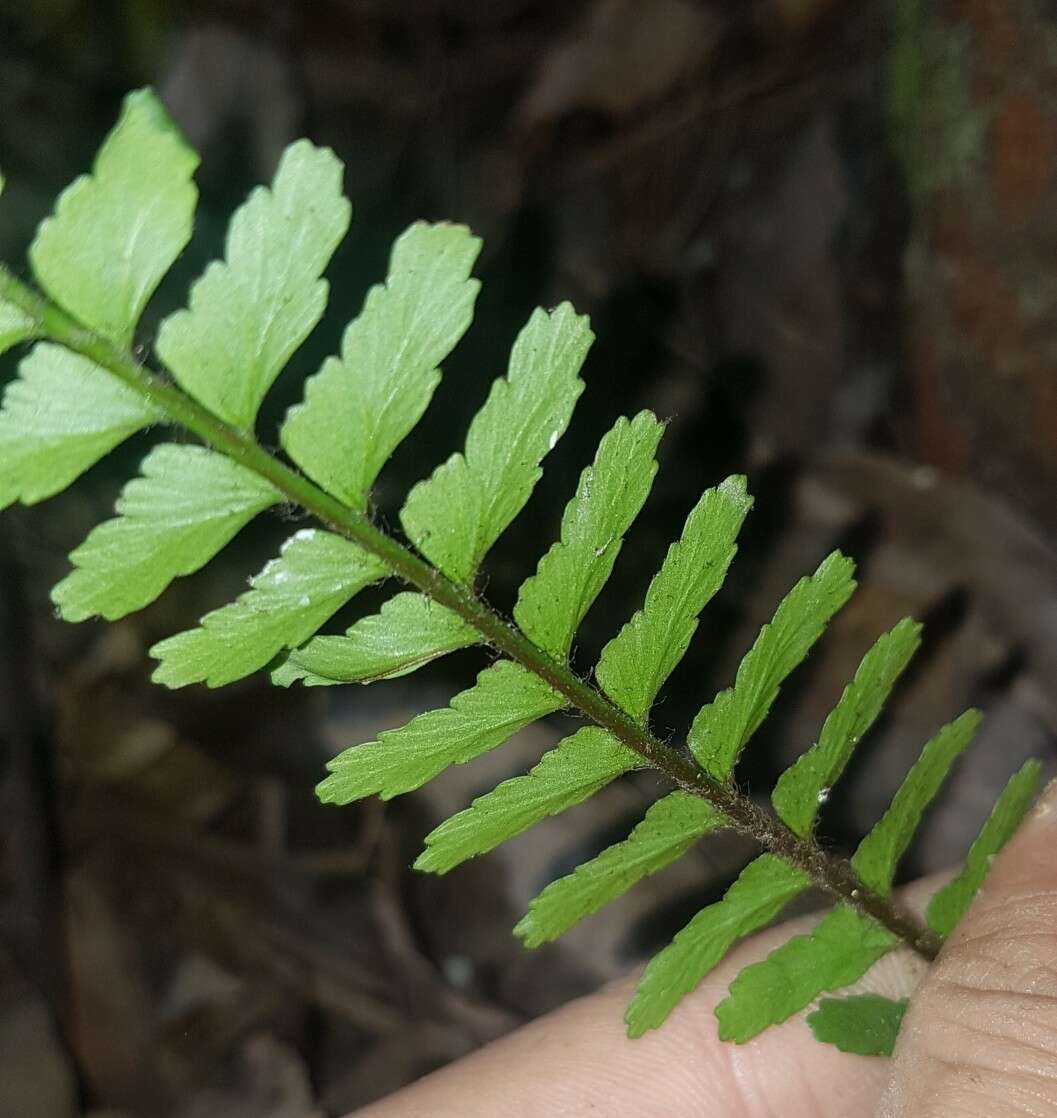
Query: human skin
[[979, 1041]]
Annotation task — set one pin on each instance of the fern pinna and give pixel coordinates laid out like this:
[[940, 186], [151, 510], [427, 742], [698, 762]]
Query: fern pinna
[[82, 390]]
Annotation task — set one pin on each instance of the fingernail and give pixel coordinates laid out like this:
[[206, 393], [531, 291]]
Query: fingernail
[[1044, 813]]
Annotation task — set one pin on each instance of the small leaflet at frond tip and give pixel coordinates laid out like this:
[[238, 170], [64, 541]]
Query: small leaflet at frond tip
[[669, 828], [409, 631], [315, 574], [505, 699], [803, 787], [188, 503], [358, 408], [456, 515], [951, 902], [116, 232], [879, 853], [861, 1024], [761, 891], [249, 312], [635, 664], [723, 727], [60, 415], [580, 766], [842, 948], [611, 492]]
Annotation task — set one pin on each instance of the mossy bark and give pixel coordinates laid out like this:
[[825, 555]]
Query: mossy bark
[[973, 104]]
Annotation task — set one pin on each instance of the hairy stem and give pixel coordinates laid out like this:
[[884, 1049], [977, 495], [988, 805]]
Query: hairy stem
[[833, 874]]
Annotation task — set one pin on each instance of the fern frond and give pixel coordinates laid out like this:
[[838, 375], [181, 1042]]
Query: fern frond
[[15, 327], [249, 312], [59, 417], [81, 391], [837, 953], [950, 903], [636, 662], [846, 943], [805, 785], [408, 632], [667, 831], [505, 699], [552, 602], [455, 516], [580, 766], [359, 408], [862, 1024], [188, 503], [315, 574], [116, 232], [878, 854], [762, 890], [722, 729]]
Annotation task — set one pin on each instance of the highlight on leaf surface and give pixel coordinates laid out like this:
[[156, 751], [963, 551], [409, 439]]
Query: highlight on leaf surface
[[81, 391]]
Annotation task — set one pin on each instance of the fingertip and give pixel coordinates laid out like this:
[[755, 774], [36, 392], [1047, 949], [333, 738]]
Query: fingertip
[[978, 1038]]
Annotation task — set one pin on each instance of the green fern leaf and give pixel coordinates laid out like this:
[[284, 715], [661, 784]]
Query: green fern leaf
[[505, 699], [314, 576], [878, 854], [580, 766], [635, 664], [455, 516], [950, 903], [552, 602], [804, 786], [670, 827], [761, 891], [723, 727], [171, 521], [862, 1025], [15, 326], [358, 409], [837, 953], [83, 390], [60, 416], [249, 312], [409, 631], [116, 232]]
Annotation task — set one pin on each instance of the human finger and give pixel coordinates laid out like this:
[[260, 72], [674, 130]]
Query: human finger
[[980, 1037], [579, 1061]]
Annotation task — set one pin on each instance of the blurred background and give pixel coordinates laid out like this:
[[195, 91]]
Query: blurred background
[[819, 236]]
